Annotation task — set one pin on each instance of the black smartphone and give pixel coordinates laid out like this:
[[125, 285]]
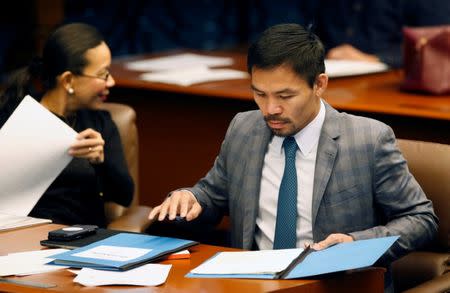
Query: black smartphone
[[72, 232]]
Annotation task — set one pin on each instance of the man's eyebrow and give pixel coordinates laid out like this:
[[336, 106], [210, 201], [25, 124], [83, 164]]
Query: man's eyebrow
[[255, 88], [286, 91], [283, 91]]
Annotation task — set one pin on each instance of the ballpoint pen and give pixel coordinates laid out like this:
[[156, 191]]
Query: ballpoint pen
[[26, 283]]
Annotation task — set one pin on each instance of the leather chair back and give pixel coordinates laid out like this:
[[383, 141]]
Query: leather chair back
[[125, 119], [430, 164]]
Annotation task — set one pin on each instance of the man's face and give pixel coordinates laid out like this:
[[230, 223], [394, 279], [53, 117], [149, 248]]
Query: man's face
[[286, 100]]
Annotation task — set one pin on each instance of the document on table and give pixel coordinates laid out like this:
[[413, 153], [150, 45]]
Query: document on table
[[180, 255], [29, 262], [193, 75], [249, 262], [34, 146], [341, 68], [146, 275], [179, 61], [9, 222]]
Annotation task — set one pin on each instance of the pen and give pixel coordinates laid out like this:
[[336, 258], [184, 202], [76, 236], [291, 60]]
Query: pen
[[26, 283]]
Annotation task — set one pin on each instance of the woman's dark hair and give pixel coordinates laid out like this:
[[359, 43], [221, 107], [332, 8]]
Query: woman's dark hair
[[288, 44], [64, 50]]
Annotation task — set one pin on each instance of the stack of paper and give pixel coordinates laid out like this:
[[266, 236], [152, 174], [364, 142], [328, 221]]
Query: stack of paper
[[9, 222], [186, 69], [193, 75], [175, 62], [146, 275], [29, 262]]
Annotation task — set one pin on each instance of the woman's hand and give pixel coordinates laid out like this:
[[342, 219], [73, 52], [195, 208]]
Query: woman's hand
[[349, 52], [89, 145]]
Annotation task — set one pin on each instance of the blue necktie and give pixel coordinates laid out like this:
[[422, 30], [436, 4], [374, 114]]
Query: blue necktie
[[286, 225]]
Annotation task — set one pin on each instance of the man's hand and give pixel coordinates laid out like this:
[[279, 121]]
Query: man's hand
[[180, 202], [349, 52], [331, 240], [89, 145]]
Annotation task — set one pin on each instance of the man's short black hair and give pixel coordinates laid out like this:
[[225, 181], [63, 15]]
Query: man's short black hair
[[288, 44]]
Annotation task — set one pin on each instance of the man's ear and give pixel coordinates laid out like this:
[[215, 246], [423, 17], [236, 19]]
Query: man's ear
[[321, 84], [66, 80]]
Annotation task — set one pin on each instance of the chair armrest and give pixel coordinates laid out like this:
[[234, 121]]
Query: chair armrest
[[436, 285], [134, 219], [419, 267]]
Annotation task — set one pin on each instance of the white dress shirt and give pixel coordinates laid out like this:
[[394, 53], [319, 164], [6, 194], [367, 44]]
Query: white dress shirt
[[307, 140]]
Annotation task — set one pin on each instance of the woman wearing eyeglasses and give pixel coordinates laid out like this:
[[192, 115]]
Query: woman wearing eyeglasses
[[70, 80]]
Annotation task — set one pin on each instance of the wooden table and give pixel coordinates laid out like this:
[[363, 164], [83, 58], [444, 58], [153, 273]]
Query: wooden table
[[369, 280], [181, 128], [374, 93]]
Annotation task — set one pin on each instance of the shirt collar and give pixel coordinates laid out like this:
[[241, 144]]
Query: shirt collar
[[306, 138]]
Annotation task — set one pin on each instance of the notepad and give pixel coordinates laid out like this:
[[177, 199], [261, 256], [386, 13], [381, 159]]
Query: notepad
[[293, 263]]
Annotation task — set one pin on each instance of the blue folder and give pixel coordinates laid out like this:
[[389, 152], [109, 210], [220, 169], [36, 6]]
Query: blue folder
[[159, 247], [340, 257]]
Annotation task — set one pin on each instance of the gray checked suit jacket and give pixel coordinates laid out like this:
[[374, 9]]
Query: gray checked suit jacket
[[362, 185]]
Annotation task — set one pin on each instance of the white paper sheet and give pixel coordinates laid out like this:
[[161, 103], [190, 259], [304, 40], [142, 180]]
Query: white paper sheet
[[9, 222], [29, 262], [34, 146], [193, 75], [180, 61], [146, 275], [183, 254], [340, 68], [249, 262]]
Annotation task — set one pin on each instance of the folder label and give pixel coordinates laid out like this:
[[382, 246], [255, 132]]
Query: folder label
[[114, 253]]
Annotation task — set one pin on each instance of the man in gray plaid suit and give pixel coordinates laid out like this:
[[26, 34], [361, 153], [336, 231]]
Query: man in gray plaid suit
[[353, 182]]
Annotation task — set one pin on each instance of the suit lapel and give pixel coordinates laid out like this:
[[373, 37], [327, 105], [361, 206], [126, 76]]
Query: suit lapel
[[258, 143], [326, 155]]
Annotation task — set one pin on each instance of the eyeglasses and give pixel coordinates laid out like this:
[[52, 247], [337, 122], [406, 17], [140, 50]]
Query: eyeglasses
[[105, 77]]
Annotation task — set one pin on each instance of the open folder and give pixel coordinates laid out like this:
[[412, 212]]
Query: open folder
[[121, 252], [293, 263]]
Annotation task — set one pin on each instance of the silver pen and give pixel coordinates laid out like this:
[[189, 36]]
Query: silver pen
[[26, 283]]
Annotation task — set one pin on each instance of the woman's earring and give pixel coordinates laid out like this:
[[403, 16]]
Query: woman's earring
[[70, 91]]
